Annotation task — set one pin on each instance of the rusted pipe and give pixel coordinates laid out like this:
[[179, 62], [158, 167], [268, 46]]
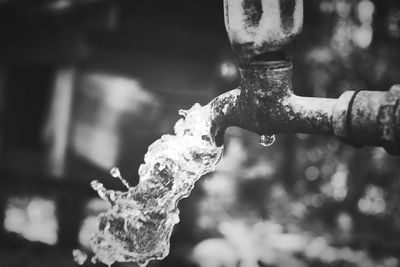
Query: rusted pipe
[[266, 104], [369, 118], [261, 27], [262, 30]]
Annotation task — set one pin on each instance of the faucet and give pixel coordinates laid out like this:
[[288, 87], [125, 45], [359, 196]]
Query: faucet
[[262, 33]]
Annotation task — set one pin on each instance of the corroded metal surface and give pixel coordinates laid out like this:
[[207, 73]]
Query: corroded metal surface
[[369, 118], [265, 104], [339, 119], [375, 119], [257, 27]]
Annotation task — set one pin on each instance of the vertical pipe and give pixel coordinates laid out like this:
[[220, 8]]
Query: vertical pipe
[[257, 27]]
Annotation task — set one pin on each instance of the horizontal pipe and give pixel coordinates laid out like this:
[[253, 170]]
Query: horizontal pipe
[[311, 115], [265, 104], [274, 108]]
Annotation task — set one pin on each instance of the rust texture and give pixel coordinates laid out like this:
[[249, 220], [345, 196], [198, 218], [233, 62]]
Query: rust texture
[[376, 119], [257, 27], [265, 104]]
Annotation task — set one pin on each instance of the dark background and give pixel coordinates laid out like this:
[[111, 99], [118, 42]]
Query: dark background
[[86, 85]]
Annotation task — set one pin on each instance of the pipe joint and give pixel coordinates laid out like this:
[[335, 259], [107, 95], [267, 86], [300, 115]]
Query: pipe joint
[[369, 118]]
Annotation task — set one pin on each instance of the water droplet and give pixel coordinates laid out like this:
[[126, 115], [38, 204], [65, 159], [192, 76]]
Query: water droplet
[[112, 196], [101, 191], [267, 140], [183, 112], [142, 263], [79, 256], [94, 259], [117, 174], [96, 185]]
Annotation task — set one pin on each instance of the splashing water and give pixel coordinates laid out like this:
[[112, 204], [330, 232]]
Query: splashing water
[[267, 140], [139, 224], [79, 256]]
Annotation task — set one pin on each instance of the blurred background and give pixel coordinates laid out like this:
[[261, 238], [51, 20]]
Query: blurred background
[[86, 85]]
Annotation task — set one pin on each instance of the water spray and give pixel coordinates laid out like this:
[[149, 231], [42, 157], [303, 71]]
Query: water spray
[[139, 224]]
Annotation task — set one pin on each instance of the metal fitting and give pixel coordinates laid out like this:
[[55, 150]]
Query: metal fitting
[[369, 118], [265, 103], [259, 27]]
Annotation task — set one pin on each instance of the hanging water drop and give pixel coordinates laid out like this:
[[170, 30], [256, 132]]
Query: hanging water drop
[[267, 140]]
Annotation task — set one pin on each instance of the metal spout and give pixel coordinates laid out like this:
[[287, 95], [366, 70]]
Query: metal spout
[[261, 33], [266, 104]]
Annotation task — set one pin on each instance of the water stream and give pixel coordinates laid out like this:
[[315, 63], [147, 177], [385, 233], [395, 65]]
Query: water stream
[[140, 222]]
